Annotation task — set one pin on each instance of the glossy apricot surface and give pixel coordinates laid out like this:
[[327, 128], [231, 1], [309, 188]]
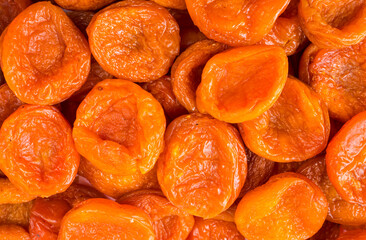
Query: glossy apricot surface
[[10, 194], [13, 232]]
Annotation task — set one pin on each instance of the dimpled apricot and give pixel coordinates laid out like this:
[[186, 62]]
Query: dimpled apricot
[[83, 5], [168, 221], [288, 206], [13, 232], [45, 58], [37, 150], [9, 9], [333, 23], [10, 194], [242, 83], [8, 102], [296, 128], [235, 23], [119, 128], [346, 160], [203, 166], [134, 39], [104, 219], [187, 70], [338, 75]]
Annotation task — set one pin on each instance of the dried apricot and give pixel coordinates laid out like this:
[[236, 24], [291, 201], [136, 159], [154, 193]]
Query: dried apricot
[[346, 162], [13, 232], [134, 39], [37, 150], [9, 9], [8, 102], [306, 59], [119, 128], [333, 24], [83, 5], [235, 23], [175, 4], [242, 83], [105, 219], [203, 166], [169, 222], [17, 214], [81, 19], [288, 206], [358, 234], [187, 70], [10, 194], [296, 128]]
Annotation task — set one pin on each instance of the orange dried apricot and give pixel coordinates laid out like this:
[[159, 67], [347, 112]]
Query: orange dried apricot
[[119, 128], [37, 150], [235, 23], [232, 87], [169, 222], [83, 5], [17, 214], [10, 194], [8, 102], [296, 128], [134, 39], [288, 206], [306, 59], [13, 232], [47, 59], [105, 219], [9, 9], [333, 24], [175, 4], [345, 160], [187, 70], [203, 166]]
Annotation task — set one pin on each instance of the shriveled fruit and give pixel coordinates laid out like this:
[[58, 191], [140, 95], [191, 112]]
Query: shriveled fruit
[[83, 5], [8, 102], [242, 83], [203, 166], [13, 232], [288, 206], [105, 219], [134, 39], [45, 58], [9, 9], [296, 128]]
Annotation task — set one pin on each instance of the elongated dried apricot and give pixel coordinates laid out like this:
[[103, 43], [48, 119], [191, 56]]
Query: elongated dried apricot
[[333, 24], [235, 23], [288, 206], [8, 102], [37, 150], [346, 162], [83, 5], [134, 39], [9, 9], [296, 128], [119, 128], [242, 83], [169, 222], [203, 166], [187, 70], [17, 214], [13, 232], [105, 219]]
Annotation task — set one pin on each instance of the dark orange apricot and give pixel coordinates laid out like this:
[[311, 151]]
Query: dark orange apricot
[[134, 39], [339, 211], [46, 60], [9, 9], [17, 214], [333, 24], [288, 206], [119, 128], [175, 4], [83, 5], [235, 23], [8, 102], [10, 194], [105, 219], [162, 90], [346, 161], [306, 59], [242, 83], [296, 128], [337, 75], [13, 232], [203, 166], [37, 150], [115, 185], [187, 70], [329, 231], [169, 222], [357, 234]]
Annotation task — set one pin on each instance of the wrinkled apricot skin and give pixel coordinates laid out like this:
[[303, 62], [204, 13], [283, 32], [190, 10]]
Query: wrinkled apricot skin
[[134, 40], [203, 166], [90, 218], [169, 222], [10, 194], [345, 160], [120, 128], [46, 60], [337, 75], [13, 232], [296, 128], [233, 90], [162, 90], [236, 23], [83, 5], [37, 150], [288, 206], [17, 214], [8, 102], [333, 24], [187, 70]]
